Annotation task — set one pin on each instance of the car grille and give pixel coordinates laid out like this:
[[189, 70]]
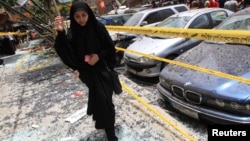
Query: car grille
[[187, 95]]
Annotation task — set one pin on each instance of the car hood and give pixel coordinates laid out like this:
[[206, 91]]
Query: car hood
[[152, 45], [226, 58]]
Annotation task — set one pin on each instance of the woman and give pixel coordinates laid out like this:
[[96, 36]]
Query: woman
[[88, 48]]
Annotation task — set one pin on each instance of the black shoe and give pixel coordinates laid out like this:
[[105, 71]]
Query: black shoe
[[2, 62], [111, 134]]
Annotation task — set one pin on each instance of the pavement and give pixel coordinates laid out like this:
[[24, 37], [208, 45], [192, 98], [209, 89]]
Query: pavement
[[41, 100]]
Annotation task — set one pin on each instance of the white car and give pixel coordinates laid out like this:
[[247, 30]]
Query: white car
[[151, 17], [170, 47], [148, 17]]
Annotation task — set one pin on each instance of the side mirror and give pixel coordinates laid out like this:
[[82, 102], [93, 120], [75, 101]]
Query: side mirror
[[144, 23]]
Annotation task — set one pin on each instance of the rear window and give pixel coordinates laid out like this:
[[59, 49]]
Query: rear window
[[181, 8], [166, 13], [159, 16]]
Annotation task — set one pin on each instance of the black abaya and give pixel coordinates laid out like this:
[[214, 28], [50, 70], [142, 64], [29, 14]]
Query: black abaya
[[81, 41]]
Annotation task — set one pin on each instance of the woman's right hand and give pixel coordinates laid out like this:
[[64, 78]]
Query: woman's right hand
[[59, 23]]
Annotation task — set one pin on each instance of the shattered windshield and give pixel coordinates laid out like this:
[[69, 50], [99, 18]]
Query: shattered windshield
[[175, 22]]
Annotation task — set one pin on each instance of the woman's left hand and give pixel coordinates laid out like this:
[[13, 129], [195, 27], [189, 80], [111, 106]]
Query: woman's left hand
[[93, 59]]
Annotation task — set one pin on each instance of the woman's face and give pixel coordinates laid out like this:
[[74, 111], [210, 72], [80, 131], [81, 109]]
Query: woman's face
[[81, 17]]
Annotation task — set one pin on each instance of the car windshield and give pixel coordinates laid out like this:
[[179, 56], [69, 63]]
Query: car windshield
[[134, 20], [241, 22], [174, 22]]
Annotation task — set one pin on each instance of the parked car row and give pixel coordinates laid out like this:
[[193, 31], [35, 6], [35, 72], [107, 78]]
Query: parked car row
[[170, 47], [209, 97], [202, 96]]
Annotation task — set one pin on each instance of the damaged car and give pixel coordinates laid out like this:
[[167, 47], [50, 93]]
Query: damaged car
[[221, 97], [170, 47]]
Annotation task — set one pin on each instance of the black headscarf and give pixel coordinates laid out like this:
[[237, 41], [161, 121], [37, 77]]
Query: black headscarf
[[83, 36], [88, 39], [91, 38]]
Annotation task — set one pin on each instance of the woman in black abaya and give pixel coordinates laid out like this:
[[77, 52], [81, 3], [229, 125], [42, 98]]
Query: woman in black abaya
[[88, 48]]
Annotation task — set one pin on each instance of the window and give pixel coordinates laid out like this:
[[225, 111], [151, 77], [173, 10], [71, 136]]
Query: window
[[153, 17], [218, 17], [166, 13], [200, 22], [159, 16], [181, 8]]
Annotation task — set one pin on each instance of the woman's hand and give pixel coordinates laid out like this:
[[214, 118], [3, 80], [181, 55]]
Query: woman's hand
[[92, 59], [59, 23]]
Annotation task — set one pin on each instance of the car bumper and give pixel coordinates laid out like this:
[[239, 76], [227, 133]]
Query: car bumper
[[143, 70], [201, 113]]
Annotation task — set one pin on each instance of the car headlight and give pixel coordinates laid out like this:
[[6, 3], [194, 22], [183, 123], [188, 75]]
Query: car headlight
[[238, 106], [228, 104], [219, 102], [164, 83], [144, 59], [248, 106]]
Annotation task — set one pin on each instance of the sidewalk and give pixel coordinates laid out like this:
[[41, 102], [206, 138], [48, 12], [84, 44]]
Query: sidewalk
[[38, 93]]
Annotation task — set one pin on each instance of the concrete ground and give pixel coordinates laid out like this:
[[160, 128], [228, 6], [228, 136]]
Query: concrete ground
[[39, 95]]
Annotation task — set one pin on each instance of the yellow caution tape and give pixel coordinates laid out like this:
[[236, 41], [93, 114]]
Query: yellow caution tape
[[201, 69], [228, 36], [13, 33], [31, 68], [156, 112]]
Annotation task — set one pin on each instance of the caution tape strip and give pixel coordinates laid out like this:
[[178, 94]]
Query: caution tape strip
[[198, 68], [13, 33], [18, 64], [227, 36], [156, 112]]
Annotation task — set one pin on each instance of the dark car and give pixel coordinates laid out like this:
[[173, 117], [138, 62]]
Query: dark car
[[209, 97]]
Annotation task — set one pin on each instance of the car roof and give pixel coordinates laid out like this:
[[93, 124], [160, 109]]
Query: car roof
[[160, 8], [115, 15], [193, 12], [136, 9]]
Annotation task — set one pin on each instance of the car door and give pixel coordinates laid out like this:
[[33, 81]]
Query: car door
[[200, 22], [206, 21]]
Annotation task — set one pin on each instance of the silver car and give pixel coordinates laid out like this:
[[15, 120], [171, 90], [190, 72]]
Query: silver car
[[170, 47]]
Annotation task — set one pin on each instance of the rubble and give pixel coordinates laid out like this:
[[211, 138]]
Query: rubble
[[35, 103]]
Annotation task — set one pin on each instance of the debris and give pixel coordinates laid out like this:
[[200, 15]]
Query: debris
[[34, 126], [76, 116], [78, 93], [68, 139]]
